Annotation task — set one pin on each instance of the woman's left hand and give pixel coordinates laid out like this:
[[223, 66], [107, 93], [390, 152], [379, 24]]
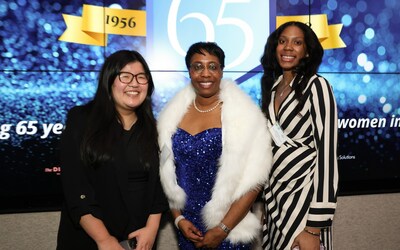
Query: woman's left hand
[[145, 238], [212, 238], [306, 241]]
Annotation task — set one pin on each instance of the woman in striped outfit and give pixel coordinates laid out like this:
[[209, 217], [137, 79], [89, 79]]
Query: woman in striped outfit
[[300, 197]]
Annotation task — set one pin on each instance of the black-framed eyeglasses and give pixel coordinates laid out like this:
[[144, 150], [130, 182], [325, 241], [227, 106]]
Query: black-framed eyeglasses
[[199, 67], [127, 77]]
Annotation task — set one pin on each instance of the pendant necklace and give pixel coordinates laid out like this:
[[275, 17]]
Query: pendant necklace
[[283, 90], [207, 110]]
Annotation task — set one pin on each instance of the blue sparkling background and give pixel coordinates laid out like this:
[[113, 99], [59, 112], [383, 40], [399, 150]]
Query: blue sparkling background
[[41, 78], [365, 76], [370, 31]]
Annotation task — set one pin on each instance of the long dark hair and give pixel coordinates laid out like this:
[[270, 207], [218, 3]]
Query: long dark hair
[[307, 67], [99, 136]]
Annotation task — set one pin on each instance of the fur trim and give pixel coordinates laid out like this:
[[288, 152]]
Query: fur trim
[[245, 161], [167, 125]]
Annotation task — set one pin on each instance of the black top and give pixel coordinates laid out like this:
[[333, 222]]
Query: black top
[[122, 192]]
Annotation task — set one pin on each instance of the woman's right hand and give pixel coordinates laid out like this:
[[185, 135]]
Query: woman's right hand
[[109, 243], [190, 231], [96, 229]]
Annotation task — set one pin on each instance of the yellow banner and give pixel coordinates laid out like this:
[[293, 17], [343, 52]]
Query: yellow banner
[[328, 35], [96, 22]]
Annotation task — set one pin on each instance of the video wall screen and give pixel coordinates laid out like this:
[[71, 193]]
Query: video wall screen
[[51, 64]]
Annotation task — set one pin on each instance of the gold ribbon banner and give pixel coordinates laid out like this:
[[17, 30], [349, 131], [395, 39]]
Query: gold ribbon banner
[[96, 22], [328, 35]]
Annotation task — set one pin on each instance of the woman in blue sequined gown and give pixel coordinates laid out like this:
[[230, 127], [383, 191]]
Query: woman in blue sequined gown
[[215, 156], [196, 160]]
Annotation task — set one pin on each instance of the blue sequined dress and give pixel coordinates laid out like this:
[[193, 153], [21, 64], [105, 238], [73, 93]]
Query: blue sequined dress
[[196, 160]]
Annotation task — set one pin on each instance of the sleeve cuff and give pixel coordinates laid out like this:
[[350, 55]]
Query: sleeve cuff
[[77, 213], [321, 215]]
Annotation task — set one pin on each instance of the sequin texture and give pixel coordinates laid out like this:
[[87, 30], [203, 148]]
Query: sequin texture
[[196, 160]]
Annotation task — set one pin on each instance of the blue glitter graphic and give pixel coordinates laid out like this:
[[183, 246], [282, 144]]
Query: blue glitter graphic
[[41, 78]]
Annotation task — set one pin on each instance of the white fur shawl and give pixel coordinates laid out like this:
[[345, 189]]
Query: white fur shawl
[[245, 160]]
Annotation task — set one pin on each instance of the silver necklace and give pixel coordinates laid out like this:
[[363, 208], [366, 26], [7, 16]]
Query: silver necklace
[[283, 90], [207, 110]]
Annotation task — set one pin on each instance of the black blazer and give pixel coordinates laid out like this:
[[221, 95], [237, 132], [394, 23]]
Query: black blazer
[[101, 191]]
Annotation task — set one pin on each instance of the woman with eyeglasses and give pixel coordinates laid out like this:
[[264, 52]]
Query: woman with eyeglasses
[[110, 164], [214, 156]]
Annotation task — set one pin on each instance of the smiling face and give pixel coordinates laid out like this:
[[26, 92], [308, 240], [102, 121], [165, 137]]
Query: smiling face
[[206, 74], [129, 96], [291, 48]]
